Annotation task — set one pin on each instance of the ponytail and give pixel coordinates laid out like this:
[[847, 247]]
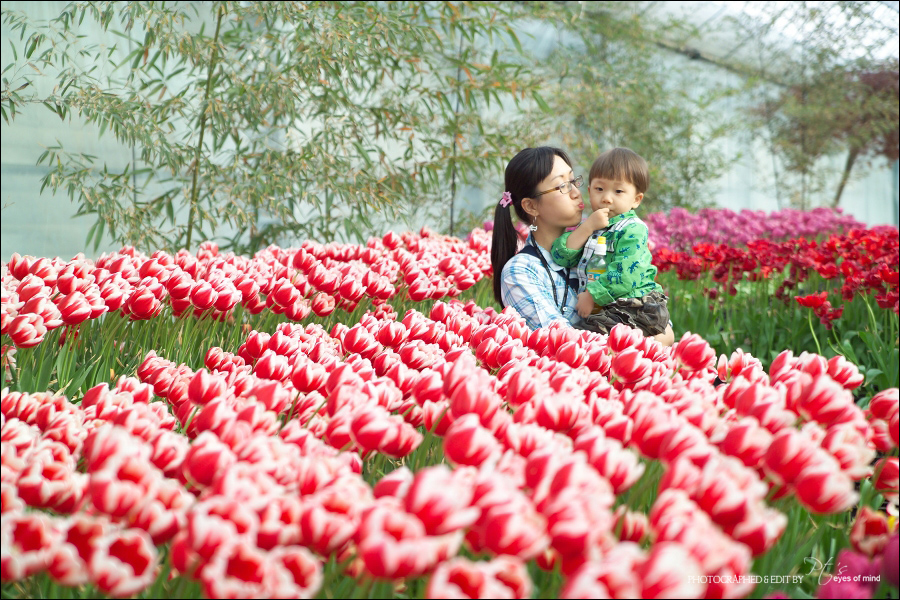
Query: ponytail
[[523, 174], [503, 246]]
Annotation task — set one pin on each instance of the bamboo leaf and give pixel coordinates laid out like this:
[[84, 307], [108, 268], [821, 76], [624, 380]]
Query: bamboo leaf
[[45, 181], [542, 104], [91, 231], [31, 45], [99, 235]]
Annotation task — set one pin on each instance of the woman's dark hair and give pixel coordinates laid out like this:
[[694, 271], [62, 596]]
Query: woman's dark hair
[[523, 173]]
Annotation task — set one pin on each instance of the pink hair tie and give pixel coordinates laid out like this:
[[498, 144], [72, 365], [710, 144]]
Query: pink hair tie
[[505, 199]]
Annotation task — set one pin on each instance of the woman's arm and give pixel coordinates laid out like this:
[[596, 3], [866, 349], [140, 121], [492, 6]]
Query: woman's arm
[[527, 287]]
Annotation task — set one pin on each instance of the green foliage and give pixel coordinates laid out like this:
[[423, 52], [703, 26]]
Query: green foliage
[[259, 123], [611, 85], [252, 123], [263, 123]]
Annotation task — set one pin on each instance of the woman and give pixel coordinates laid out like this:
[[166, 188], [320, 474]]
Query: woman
[[543, 190]]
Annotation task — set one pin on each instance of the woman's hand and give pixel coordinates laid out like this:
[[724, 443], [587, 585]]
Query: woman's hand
[[585, 304]]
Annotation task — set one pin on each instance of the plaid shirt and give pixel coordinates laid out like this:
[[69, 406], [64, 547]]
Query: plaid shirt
[[526, 286]]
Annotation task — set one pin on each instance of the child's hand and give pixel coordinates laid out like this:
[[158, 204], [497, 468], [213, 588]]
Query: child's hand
[[585, 304], [599, 219]]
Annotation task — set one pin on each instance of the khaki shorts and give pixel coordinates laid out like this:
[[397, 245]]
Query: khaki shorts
[[647, 313]]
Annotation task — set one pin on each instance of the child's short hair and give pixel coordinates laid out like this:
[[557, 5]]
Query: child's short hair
[[622, 164]]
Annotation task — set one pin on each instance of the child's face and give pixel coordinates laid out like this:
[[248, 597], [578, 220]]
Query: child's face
[[618, 196]]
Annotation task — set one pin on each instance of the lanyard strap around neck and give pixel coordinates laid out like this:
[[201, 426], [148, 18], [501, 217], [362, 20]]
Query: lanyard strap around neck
[[562, 307]]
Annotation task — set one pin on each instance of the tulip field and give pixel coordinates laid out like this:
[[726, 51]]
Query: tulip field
[[361, 421]]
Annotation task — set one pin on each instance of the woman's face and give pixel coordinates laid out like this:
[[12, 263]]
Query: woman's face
[[556, 209]]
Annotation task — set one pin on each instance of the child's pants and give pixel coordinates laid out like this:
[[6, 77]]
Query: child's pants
[[647, 313]]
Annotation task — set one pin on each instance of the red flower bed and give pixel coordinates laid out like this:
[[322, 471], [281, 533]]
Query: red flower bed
[[862, 261]]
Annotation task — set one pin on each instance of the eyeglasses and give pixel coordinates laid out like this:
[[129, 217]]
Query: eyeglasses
[[566, 187]]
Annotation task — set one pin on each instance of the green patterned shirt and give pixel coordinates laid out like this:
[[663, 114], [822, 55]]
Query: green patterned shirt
[[629, 270]]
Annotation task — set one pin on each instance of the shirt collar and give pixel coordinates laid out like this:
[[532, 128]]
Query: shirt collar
[[618, 218], [553, 264]]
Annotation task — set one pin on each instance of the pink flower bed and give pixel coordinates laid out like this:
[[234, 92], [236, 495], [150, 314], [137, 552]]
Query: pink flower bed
[[679, 230]]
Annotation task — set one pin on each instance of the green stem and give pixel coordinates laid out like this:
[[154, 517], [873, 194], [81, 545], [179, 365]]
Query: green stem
[[196, 165], [813, 331], [872, 320]]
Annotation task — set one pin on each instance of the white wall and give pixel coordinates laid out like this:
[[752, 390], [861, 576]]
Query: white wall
[[34, 223]]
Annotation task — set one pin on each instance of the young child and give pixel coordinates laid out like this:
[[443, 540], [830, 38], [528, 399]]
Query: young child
[[610, 251]]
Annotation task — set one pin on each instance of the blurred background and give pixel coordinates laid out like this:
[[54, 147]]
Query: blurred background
[[251, 124]]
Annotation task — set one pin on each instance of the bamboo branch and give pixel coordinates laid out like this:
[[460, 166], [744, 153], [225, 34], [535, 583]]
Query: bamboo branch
[[196, 164]]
